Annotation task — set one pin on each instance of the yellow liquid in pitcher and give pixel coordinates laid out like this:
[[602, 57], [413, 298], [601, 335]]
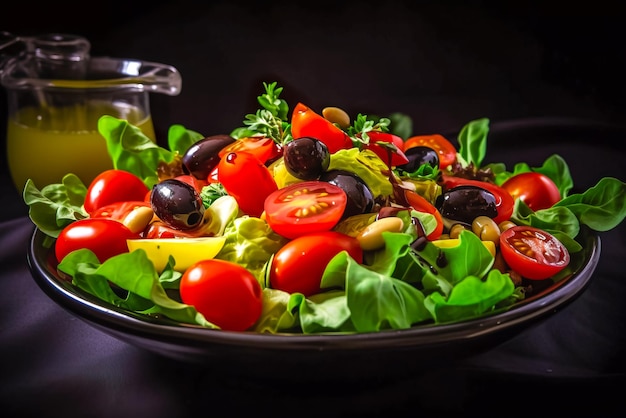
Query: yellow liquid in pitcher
[[46, 144]]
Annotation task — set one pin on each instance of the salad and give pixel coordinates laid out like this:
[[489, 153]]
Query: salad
[[306, 222]]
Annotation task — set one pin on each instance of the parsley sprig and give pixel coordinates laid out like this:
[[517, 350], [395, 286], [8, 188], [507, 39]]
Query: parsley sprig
[[271, 120]]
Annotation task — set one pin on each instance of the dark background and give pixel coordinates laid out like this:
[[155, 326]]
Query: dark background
[[442, 63]]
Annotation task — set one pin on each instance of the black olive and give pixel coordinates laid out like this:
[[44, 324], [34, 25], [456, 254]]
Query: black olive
[[202, 157], [360, 198], [418, 156], [177, 204], [306, 158], [465, 203]]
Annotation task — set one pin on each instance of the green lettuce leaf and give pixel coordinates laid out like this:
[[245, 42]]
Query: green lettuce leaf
[[134, 273], [56, 205]]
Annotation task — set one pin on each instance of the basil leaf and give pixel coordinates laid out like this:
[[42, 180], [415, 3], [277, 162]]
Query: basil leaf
[[180, 139], [56, 205], [471, 297], [473, 142], [131, 150], [602, 207]]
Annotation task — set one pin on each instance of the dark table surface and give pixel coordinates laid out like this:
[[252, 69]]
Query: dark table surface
[[531, 73]]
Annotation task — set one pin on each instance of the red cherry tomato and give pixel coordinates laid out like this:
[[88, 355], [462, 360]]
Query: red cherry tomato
[[114, 186], [420, 204], [533, 253], [227, 294], [445, 149], [299, 265], [247, 179], [305, 122], [305, 207], [536, 190], [397, 157], [118, 210], [105, 237], [504, 201], [192, 181], [264, 148]]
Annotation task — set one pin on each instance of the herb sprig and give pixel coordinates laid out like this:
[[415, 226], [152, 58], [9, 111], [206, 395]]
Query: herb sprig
[[271, 120]]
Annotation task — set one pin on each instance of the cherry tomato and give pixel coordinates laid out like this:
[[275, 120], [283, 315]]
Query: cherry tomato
[[192, 181], [504, 201], [536, 190], [299, 265], [305, 122], [397, 157], [227, 294], [105, 237], [305, 207], [118, 210], [247, 179], [533, 253], [114, 186], [264, 148], [445, 149], [420, 204]]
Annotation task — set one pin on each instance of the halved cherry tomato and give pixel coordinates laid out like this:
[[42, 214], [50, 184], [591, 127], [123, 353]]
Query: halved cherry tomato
[[445, 149], [263, 147], [536, 190], [533, 253], [112, 186], [305, 122], [227, 294], [305, 207], [397, 157], [118, 210], [105, 237], [246, 179], [420, 204], [504, 201], [299, 265]]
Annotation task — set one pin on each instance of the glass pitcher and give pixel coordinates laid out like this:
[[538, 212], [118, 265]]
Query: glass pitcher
[[56, 93]]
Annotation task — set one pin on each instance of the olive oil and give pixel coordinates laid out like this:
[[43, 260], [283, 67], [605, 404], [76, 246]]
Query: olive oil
[[46, 143]]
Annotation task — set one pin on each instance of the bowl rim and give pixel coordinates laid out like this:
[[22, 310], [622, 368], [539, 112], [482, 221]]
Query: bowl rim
[[121, 322]]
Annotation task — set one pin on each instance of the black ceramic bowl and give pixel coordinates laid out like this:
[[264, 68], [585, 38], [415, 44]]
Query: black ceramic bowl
[[387, 353]]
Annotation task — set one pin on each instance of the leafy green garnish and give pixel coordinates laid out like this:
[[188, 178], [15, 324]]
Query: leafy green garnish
[[362, 125], [56, 205], [554, 167], [271, 120], [473, 143], [131, 150], [136, 274]]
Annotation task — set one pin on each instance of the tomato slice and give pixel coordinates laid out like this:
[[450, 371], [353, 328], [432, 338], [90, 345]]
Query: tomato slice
[[397, 157], [536, 190], [119, 210], [504, 201], [532, 252], [262, 147], [445, 149], [421, 204], [305, 122], [305, 207]]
